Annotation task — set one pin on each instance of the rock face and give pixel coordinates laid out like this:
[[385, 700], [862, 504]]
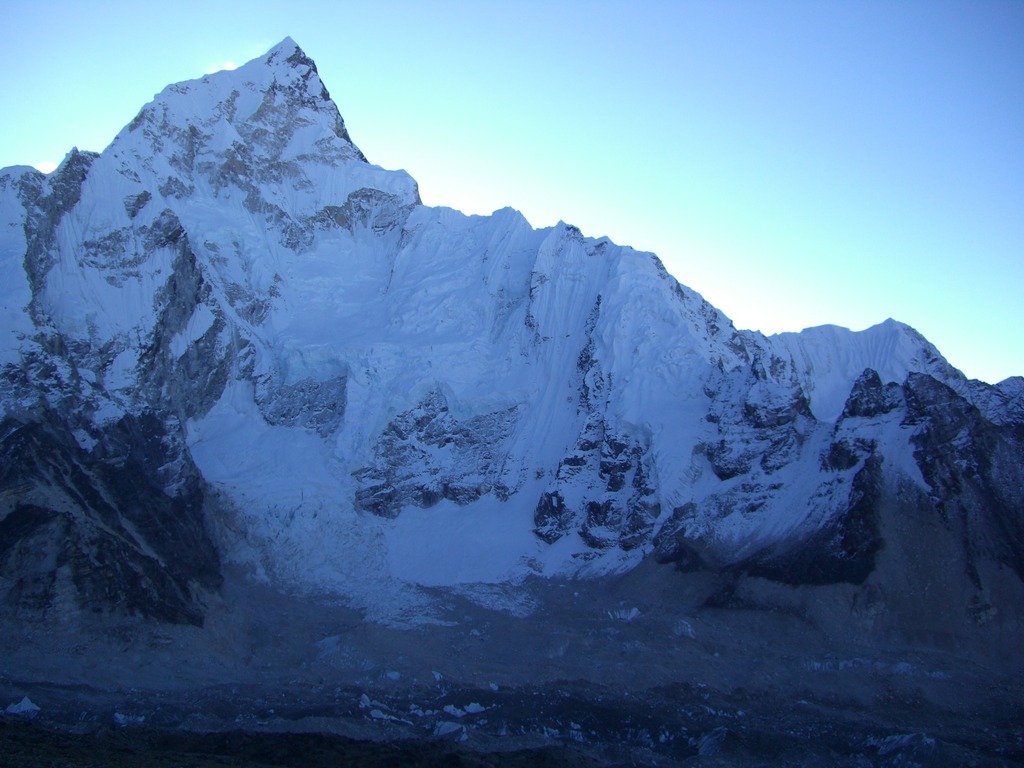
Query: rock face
[[231, 336], [100, 529]]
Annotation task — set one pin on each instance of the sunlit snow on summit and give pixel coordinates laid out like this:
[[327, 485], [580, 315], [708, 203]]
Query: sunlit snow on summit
[[46, 166], [227, 66]]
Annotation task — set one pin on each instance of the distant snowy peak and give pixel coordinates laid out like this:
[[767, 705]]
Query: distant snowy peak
[[830, 358]]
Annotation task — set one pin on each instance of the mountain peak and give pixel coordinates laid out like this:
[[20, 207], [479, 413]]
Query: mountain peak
[[249, 128], [288, 51], [287, 62], [286, 47]]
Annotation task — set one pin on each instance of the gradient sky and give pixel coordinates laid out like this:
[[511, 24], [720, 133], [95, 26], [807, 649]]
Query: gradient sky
[[797, 163]]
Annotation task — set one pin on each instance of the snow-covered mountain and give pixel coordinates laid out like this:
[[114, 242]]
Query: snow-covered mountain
[[229, 337]]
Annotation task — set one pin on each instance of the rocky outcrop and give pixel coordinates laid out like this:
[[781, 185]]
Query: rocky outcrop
[[115, 527], [969, 508], [426, 454], [975, 474], [603, 491]]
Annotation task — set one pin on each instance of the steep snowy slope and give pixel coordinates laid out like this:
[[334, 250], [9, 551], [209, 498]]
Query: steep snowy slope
[[347, 390]]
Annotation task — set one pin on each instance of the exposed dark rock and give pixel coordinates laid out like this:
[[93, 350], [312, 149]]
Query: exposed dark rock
[[730, 459], [776, 414], [672, 545], [44, 213], [611, 503], [844, 454], [843, 550], [552, 518], [426, 454], [119, 530], [869, 397], [364, 208], [315, 405], [975, 472]]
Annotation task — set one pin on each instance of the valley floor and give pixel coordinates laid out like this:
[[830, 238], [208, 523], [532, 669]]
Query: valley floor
[[568, 673]]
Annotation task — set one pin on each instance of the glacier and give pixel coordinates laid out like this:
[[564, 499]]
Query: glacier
[[352, 392]]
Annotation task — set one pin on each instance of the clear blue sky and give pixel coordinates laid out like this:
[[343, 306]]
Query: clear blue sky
[[798, 163]]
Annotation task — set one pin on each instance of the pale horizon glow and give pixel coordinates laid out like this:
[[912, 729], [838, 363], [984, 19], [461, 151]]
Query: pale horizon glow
[[797, 163]]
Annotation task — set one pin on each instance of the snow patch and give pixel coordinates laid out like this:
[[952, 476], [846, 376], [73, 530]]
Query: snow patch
[[123, 720], [198, 324], [23, 708]]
